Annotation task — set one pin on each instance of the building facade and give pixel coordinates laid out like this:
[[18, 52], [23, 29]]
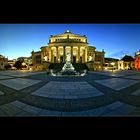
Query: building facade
[[111, 64], [60, 45], [137, 60], [126, 63], [3, 62], [12, 63]]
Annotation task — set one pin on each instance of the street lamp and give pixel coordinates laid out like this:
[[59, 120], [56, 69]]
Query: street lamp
[[112, 64]]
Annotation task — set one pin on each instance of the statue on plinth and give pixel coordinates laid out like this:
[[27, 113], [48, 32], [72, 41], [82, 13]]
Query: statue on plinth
[[68, 66], [68, 58]]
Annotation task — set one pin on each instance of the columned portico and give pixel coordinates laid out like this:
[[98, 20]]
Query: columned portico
[[77, 52]]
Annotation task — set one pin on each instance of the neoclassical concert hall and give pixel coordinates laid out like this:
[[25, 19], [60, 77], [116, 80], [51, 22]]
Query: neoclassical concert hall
[[62, 44]]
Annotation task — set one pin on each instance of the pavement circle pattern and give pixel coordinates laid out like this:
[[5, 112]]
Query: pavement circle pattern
[[67, 90], [95, 94]]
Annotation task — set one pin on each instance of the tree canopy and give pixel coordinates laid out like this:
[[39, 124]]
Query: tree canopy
[[18, 64]]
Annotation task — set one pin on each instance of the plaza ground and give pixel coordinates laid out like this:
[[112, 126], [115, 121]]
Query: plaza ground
[[24, 93]]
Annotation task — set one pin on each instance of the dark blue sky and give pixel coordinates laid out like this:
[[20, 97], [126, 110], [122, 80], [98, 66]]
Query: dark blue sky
[[18, 40]]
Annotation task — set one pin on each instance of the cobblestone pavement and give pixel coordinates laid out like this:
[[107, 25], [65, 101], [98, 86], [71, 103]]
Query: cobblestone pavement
[[95, 94]]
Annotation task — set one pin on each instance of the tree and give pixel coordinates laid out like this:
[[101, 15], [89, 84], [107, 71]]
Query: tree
[[18, 64]]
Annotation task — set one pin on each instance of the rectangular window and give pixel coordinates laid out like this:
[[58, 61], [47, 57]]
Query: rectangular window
[[38, 59]]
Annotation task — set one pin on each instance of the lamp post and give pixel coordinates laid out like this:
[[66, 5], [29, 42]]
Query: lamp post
[[112, 64]]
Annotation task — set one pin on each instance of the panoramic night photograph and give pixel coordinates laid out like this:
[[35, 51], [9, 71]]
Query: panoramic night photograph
[[69, 70]]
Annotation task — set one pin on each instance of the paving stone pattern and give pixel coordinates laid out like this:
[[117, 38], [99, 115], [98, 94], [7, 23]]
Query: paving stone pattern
[[67, 90], [25, 93]]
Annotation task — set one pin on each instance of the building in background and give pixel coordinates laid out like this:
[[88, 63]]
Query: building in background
[[12, 63], [3, 62], [111, 64], [137, 60], [126, 63], [60, 45]]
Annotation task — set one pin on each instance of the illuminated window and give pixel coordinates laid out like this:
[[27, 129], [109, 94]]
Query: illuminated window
[[90, 58]]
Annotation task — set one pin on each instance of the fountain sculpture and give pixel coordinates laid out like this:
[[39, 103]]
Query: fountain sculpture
[[68, 68]]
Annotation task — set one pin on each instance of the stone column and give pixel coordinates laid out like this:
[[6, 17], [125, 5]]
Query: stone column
[[71, 53], [56, 53], [78, 53], [48, 55], [59, 54], [51, 56], [83, 56], [64, 54]]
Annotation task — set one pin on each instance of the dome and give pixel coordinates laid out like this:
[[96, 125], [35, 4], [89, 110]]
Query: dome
[[68, 32]]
